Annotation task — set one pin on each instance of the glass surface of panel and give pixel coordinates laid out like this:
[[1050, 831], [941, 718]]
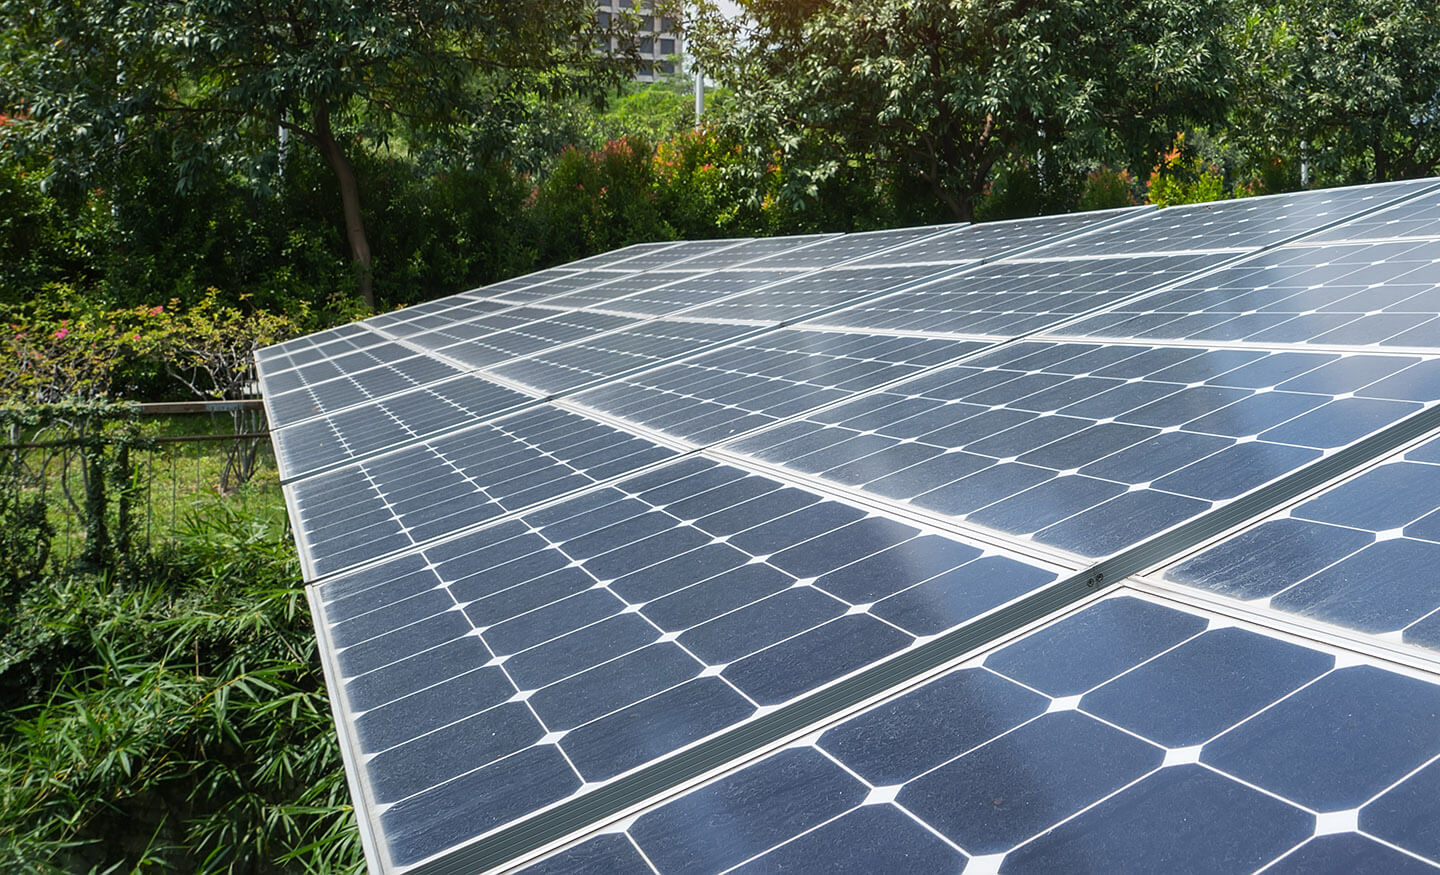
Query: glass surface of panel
[[1247, 223], [1013, 298], [1365, 294], [425, 491], [1127, 735], [617, 353], [352, 388], [1361, 554], [535, 660], [409, 416], [1089, 448], [991, 239], [755, 382], [806, 295]]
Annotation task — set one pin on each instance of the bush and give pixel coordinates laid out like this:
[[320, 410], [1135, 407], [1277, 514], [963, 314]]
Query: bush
[[1106, 189], [177, 721], [1184, 177], [597, 201]]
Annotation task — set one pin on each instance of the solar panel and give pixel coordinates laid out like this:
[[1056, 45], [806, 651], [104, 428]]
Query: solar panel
[[672, 256], [359, 431], [629, 284], [620, 352], [954, 559], [1088, 448], [1360, 555], [1383, 295], [769, 250], [965, 243], [756, 382], [570, 646], [1413, 219], [1011, 298], [435, 488], [357, 387], [1248, 223], [813, 293], [674, 297], [1133, 733], [499, 346]]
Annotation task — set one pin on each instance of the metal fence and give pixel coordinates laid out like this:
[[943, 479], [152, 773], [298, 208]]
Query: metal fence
[[100, 481]]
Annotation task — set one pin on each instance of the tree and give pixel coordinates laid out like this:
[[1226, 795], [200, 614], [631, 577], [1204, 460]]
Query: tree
[[1358, 81], [941, 91], [222, 78]]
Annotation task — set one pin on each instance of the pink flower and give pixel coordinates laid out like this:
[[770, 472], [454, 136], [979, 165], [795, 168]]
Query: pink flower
[[61, 333]]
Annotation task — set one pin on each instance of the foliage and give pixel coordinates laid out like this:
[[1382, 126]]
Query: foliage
[[1354, 84], [175, 721], [597, 201], [1184, 177], [1106, 189], [943, 92], [62, 347], [88, 80]]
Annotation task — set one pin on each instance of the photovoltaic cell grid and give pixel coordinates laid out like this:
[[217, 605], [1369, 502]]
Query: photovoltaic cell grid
[[1093, 448], [531, 337], [676, 296], [1361, 555], [807, 295], [457, 310], [1131, 735], [422, 491], [314, 347], [630, 284], [1011, 298], [568, 736], [617, 353], [1384, 294], [1416, 218], [755, 382], [356, 387], [986, 240], [508, 670], [420, 413], [754, 251], [1248, 223]]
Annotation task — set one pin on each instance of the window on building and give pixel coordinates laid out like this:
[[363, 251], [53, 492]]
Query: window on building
[[603, 18], [667, 47]]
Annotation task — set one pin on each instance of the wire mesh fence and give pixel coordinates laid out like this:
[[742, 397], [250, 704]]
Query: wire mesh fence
[[97, 483]]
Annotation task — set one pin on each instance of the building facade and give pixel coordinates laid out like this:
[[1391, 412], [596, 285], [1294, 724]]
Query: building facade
[[656, 41]]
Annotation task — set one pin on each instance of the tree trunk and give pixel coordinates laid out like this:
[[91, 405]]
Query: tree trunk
[[350, 200]]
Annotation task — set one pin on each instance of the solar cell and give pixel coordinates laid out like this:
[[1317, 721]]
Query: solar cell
[[368, 428], [988, 239], [566, 368], [1248, 223], [615, 257], [1384, 295], [812, 293], [1361, 554], [1084, 447], [755, 382], [462, 310], [424, 491], [349, 390], [1011, 298], [543, 657], [1132, 734]]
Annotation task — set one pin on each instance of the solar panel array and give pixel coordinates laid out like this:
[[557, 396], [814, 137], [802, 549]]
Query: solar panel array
[[1068, 543]]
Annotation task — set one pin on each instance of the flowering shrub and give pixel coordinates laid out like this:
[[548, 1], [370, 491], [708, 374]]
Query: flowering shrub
[[1183, 177], [61, 348]]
